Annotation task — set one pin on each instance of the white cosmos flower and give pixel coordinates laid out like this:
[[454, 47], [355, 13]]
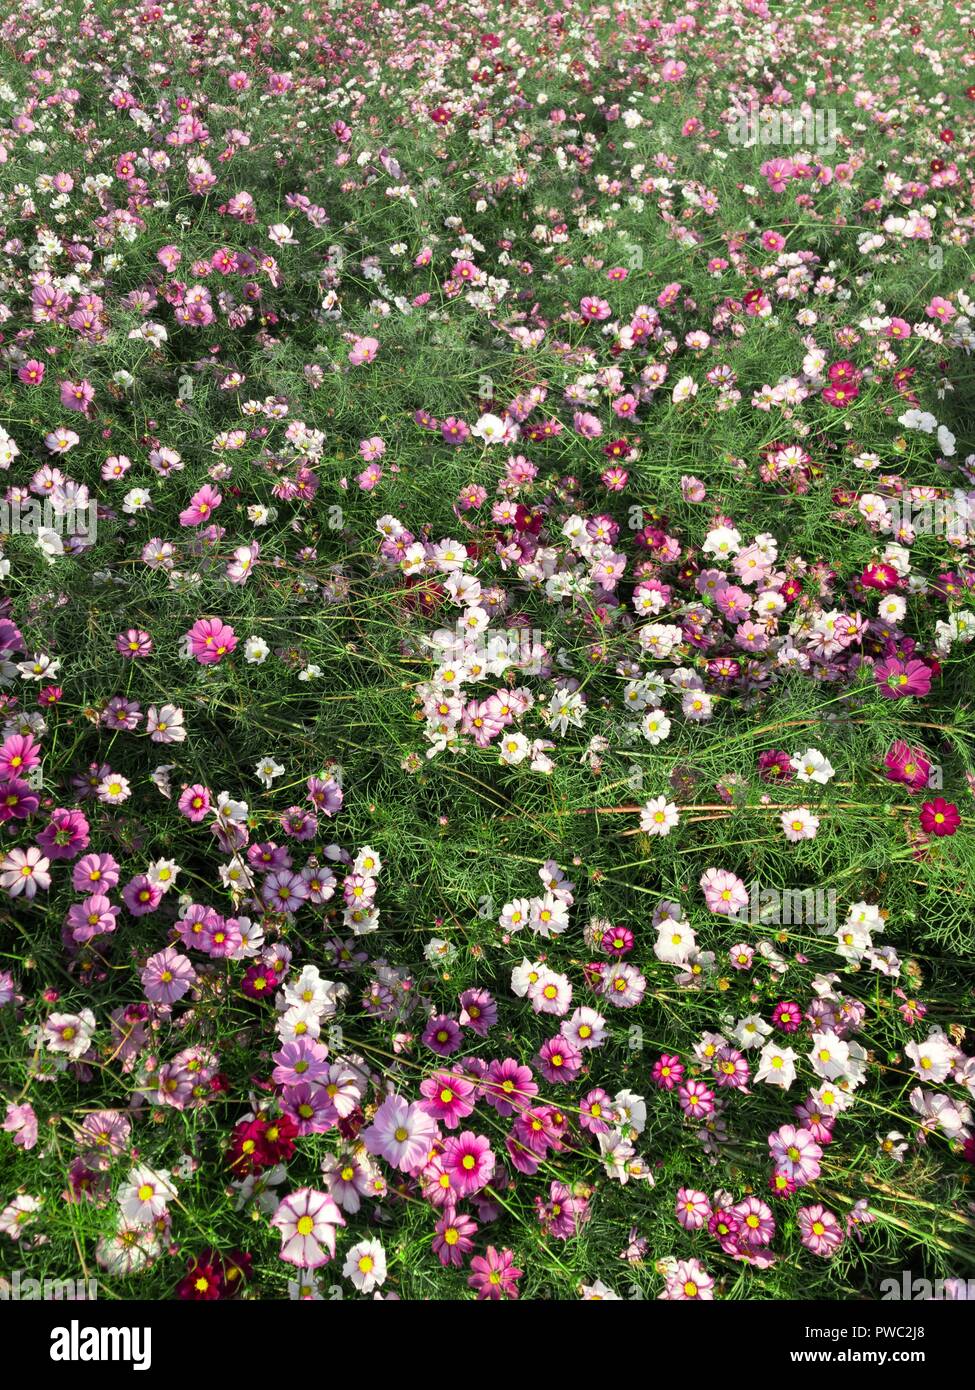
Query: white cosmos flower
[[658, 816], [268, 770]]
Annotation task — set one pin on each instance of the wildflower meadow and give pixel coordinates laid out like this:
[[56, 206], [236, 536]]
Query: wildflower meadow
[[487, 591]]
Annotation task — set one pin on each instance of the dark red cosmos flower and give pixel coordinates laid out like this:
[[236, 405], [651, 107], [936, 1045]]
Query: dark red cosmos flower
[[423, 595], [248, 1152], [259, 982], [203, 1281], [527, 521], [791, 590], [617, 449], [939, 817], [278, 1138], [211, 1276], [439, 115]]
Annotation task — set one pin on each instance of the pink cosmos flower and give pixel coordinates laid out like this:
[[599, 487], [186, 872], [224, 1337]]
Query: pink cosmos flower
[[820, 1231], [689, 1281], [65, 835], [795, 1153], [693, 1208], [724, 892], [494, 1275], [940, 309], [202, 506], [167, 976], [696, 1100], [95, 916], [141, 896], [363, 350], [469, 1161], [21, 1122], [77, 395], [18, 754], [194, 803], [210, 640], [95, 873], [32, 372]]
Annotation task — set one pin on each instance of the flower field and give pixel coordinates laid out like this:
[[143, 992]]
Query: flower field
[[486, 612]]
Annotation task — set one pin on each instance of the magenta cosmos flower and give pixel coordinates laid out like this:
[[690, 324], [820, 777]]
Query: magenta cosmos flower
[[65, 835], [907, 765], [469, 1161], [494, 1276], [938, 817], [167, 976], [202, 506], [668, 1072], [401, 1133], [307, 1220], [559, 1059], [453, 1238], [442, 1034], [898, 679], [18, 754], [447, 1097], [17, 801], [508, 1086], [210, 640]]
